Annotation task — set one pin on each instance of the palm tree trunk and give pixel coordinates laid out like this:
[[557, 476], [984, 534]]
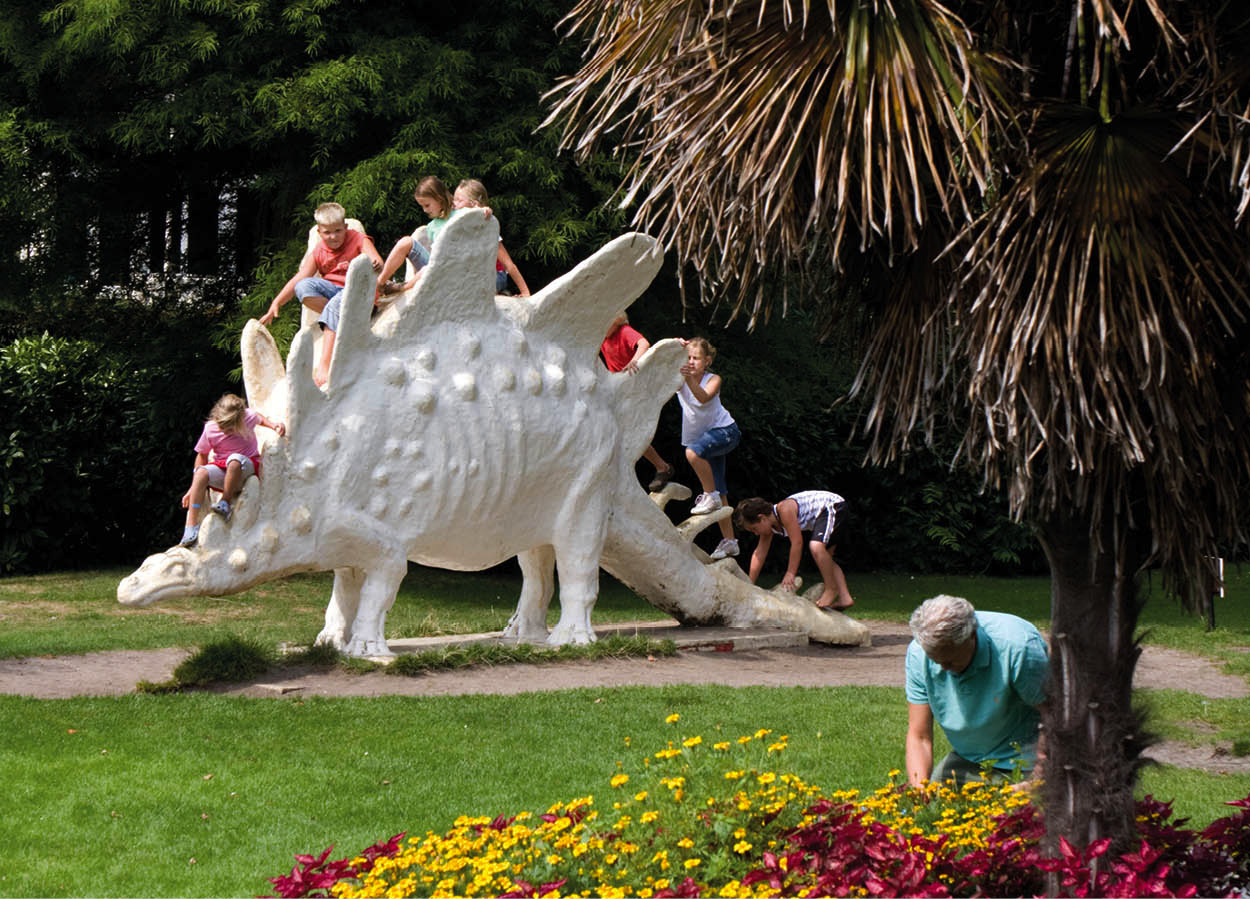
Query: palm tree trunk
[[1093, 734]]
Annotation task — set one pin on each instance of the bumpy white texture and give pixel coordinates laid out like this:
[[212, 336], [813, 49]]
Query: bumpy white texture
[[458, 429]]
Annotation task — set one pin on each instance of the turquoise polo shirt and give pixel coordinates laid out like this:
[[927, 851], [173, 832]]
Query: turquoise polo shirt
[[989, 709]]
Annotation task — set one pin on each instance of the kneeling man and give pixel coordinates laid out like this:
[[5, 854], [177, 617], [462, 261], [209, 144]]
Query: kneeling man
[[983, 675]]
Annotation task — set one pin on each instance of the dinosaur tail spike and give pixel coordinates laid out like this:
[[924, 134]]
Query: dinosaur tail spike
[[303, 396], [641, 395], [264, 377]]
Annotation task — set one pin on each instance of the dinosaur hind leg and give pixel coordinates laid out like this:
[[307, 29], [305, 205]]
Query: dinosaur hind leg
[[538, 583]]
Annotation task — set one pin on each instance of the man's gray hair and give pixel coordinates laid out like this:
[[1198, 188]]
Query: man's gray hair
[[943, 621]]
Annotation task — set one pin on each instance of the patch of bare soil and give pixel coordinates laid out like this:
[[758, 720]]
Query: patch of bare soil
[[814, 665]]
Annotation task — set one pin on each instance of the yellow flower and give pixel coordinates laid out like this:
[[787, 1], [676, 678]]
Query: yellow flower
[[762, 733], [672, 718], [619, 779], [742, 740], [767, 778], [648, 817], [692, 741], [640, 796], [742, 846], [690, 863], [686, 842], [734, 775], [722, 746]]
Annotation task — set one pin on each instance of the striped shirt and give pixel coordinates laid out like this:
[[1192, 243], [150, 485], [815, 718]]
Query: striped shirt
[[811, 504]]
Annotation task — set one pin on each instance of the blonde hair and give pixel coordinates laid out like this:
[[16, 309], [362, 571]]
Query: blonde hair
[[706, 349], [329, 214], [230, 413], [474, 189], [434, 188]]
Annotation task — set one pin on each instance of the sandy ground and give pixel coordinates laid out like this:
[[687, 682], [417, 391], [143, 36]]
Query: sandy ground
[[814, 665]]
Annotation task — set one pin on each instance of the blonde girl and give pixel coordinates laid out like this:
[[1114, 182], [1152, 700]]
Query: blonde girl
[[708, 433], [230, 436], [472, 194]]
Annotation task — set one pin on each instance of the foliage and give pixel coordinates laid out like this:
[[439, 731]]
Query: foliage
[[713, 817], [1051, 268], [176, 152], [96, 442], [228, 660]]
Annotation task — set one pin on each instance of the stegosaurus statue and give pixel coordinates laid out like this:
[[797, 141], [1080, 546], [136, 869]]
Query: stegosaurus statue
[[458, 429]]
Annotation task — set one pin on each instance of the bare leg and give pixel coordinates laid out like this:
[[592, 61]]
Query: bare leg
[[395, 259], [835, 596], [199, 489], [316, 302], [657, 461], [321, 374], [703, 471], [727, 529]]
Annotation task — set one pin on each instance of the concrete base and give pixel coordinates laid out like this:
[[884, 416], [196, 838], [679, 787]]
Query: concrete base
[[718, 639]]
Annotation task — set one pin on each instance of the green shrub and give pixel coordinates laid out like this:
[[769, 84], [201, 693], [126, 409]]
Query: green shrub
[[99, 447], [228, 660]]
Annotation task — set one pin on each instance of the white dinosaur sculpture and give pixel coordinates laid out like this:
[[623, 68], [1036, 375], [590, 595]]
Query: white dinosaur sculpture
[[458, 429]]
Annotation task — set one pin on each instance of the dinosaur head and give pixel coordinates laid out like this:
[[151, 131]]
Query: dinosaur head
[[228, 557]]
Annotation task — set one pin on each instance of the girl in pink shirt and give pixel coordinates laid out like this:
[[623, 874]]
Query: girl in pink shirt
[[230, 436]]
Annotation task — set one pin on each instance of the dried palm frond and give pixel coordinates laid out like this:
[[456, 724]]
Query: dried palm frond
[[1103, 320], [762, 131]]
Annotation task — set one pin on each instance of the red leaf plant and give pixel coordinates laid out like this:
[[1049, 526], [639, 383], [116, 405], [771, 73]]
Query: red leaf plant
[[314, 876]]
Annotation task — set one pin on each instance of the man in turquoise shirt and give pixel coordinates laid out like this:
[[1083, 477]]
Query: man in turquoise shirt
[[983, 675]]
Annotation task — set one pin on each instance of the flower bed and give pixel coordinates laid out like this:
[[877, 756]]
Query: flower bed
[[699, 818]]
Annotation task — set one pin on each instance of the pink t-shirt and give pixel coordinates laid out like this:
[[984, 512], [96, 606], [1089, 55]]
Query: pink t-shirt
[[618, 347], [214, 439]]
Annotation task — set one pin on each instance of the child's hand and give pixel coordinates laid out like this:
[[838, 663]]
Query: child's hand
[[788, 582], [632, 368], [186, 499], [280, 429]]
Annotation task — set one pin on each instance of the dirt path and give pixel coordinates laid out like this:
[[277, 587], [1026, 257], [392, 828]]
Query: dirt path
[[814, 665]]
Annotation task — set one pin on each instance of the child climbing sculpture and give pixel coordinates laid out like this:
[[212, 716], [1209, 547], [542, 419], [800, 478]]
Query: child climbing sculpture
[[229, 436], [319, 280], [622, 349], [815, 511], [708, 433]]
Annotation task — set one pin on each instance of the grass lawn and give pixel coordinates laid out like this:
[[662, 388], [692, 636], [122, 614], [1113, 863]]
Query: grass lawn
[[201, 795], [78, 611]]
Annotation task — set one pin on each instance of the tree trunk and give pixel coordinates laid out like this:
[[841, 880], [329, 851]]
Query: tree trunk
[[1093, 735]]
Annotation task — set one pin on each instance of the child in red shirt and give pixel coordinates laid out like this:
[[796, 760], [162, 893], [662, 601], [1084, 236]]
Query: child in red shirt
[[622, 349]]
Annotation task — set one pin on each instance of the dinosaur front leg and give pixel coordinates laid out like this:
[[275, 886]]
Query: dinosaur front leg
[[377, 595], [538, 583], [345, 598]]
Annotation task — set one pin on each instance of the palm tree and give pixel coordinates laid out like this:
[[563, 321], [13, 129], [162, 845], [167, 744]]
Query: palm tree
[[1042, 216]]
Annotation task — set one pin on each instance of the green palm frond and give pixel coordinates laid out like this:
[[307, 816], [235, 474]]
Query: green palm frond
[[1103, 312], [760, 131]]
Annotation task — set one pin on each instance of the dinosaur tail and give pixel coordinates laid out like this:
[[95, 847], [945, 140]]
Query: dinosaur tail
[[644, 551]]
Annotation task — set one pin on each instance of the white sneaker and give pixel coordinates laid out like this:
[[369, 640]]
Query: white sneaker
[[727, 547], [705, 503]]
